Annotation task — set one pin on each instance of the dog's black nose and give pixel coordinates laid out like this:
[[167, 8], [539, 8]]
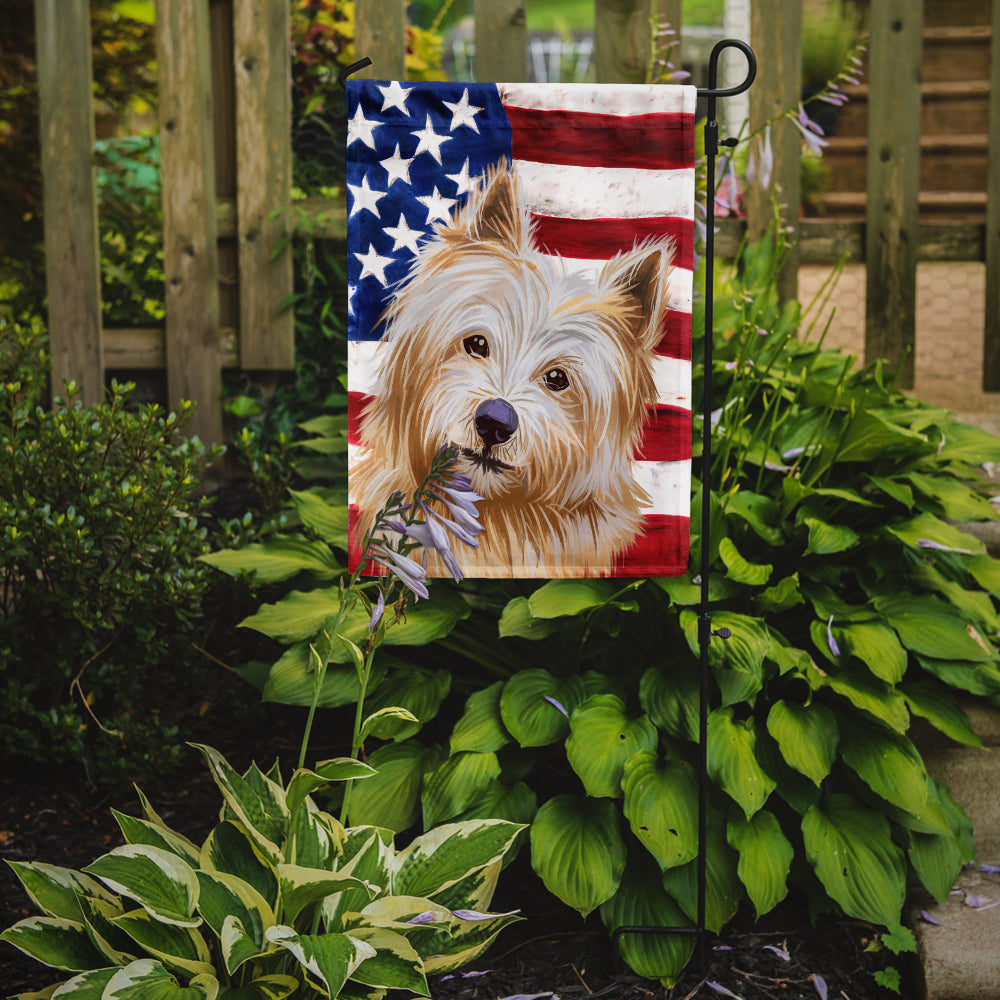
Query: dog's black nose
[[496, 421]]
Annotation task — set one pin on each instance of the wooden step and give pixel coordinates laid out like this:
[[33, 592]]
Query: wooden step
[[940, 13], [957, 206], [956, 53]]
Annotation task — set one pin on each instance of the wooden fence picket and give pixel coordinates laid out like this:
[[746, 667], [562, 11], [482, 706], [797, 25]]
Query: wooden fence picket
[[991, 331]]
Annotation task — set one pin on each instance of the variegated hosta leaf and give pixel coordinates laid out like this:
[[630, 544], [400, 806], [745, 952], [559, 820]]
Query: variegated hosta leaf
[[149, 980], [300, 887], [441, 857], [765, 858], [395, 964], [56, 891], [850, 847], [224, 897], [642, 902], [602, 737], [732, 760], [578, 851], [367, 851], [230, 849], [256, 801], [86, 986], [481, 727], [661, 799], [475, 891], [467, 940], [274, 987], [116, 946], [456, 784], [238, 944], [328, 959], [315, 838], [141, 831], [54, 941], [807, 736], [304, 782], [158, 880], [177, 947]]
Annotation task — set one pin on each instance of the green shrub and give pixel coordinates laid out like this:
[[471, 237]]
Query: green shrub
[[99, 540], [280, 899]]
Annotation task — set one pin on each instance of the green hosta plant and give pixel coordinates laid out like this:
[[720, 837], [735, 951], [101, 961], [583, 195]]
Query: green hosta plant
[[279, 900]]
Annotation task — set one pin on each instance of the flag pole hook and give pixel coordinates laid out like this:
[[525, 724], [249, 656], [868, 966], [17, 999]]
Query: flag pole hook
[[347, 71], [705, 630]]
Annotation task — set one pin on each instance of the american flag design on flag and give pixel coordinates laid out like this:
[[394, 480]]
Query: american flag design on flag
[[577, 201]]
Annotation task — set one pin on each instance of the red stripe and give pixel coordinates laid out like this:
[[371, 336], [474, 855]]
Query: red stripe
[[584, 139], [666, 436], [660, 550], [599, 239], [356, 403], [676, 329]]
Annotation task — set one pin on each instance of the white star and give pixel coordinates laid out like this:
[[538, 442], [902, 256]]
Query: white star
[[395, 97], [403, 236], [463, 113], [397, 167], [438, 207], [429, 141], [361, 128], [364, 197], [461, 179], [373, 264], [351, 289]]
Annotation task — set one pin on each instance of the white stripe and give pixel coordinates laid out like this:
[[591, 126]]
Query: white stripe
[[605, 192], [672, 376], [667, 483], [601, 98]]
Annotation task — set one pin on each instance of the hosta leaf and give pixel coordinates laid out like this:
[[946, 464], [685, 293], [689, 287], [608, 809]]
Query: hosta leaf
[[274, 987], [225, 897], [976, 605], [304, 782], [528, 710], [866, 692], [578, 851], [602, 738], [391, 798], [177, 947], [516, 803], [850, 848], [765, 858], [292, 681], [558, 598], [466, 941], [640, 901], [807, 736], [366, 855], [141, 831], [415, 689], [387, 723], [441, 857], [783, 595], [661, 799], [147, 979], [395, 964], [456, 784], [330, 959], [870, 435], [327, 520], [301, 887], [732, 760], [937, 858], [230, 849], [98, 916], [481, 727], [738, 661], [54, 941], [758, 511], [827, 539], [931, 628], [965, 443], [723, 889], [671, 700], [517, 620], [56, 891], [928, 528], [280, 557], [159, 881], [941, 709], [976, 678], [888, 763], [986, 571], [958, 502], [876, 646], [739, 569], [86, 986]]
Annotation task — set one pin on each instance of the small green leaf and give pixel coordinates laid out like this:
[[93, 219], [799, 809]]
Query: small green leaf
[[888, 763], [928, 528], [732, 760], [279, 558], [327, 520], [783, 595], [559, 598], [417, 690], [765, 858], [517, 620], [530, 706], [481, 727], [671, 700], [827, 539], [384, 723], [807, 736], [751, 574]]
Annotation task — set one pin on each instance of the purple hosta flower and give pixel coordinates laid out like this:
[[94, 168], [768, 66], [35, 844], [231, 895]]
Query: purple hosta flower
[[475, 915], [927, 543], [719, 988], [377, 612], [812, 134], [820, 983], [761, 163], [989, 869], [558, 705], [432, 537], [780, 952], [728, 195], [461, 504], [410, 573], [427, 917], [834, 648]]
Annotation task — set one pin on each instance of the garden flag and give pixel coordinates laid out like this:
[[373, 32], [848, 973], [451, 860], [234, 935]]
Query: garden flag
[[520, 277]]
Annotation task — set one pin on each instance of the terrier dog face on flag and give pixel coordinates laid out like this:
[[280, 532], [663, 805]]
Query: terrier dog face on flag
[[540, 377]]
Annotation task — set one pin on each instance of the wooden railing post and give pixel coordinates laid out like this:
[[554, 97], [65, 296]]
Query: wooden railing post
[[776, 35], [501, 41], [380, 34], [190, 251], [72, 255], [991, 332], [893, 183], [622, 40]]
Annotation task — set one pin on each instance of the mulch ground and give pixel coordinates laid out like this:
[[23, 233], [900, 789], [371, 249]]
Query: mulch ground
[[552, 952]]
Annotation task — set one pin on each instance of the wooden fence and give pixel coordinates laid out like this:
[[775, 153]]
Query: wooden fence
[[226, 160]]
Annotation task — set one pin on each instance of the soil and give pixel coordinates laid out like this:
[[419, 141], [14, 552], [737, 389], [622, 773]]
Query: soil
[[551, 952]]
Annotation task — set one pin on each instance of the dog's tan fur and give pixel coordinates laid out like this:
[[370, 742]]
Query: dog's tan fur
[[559, 495]]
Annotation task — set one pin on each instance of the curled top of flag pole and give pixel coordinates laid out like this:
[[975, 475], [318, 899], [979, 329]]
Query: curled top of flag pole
[[712, 91]]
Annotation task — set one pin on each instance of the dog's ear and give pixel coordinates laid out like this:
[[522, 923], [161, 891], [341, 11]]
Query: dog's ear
[[641, 277], [494, 213]]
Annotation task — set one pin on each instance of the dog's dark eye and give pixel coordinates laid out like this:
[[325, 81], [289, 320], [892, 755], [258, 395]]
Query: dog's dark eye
[[556, 379], [477, 345]]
